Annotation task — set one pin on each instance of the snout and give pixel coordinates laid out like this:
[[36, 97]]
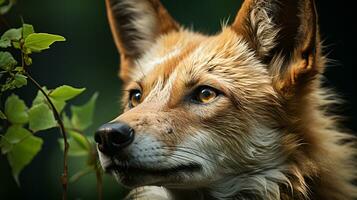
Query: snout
[[113, 137], [140, 155]]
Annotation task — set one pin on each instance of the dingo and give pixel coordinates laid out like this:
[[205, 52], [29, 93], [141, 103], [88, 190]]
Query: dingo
[[236, 115]]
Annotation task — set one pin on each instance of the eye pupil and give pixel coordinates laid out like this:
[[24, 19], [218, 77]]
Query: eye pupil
[[135, 98], [206, 95]]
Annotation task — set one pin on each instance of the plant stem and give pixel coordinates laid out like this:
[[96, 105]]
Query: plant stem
[[64, 177], [99, 177]]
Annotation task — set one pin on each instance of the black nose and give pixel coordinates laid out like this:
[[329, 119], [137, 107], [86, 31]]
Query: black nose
[[113, 137]]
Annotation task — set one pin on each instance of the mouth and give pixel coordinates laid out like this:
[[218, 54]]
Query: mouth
[[124, 168]]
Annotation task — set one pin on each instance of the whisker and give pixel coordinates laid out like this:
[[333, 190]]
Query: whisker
[[188, 152], [193, 149]]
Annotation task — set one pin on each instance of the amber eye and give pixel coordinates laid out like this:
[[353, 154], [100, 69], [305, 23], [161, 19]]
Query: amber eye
[[205, 94], [135, 98]]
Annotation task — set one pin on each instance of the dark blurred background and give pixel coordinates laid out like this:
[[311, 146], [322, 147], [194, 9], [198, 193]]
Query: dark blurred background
[[89, 59]]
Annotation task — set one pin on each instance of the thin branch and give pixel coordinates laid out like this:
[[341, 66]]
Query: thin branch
[[64, 177], [99, 178]]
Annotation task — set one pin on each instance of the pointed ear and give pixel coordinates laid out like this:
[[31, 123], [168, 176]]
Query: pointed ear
[[135, 25], [284, 35]]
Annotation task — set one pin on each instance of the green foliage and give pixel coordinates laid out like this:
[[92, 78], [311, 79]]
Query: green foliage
[[5, 8], [14, 135], [36, 42], [5, 43], [81, 145], [25, 39], [2, 115], [76, 148], [21, 147], [83, 115], [19, 142], [24, 147], [10, 35], [7, 61], [58, 96], [19, 80], [41, 118], [27, 29], [23, 153], [16, 110], [65, 92], [81, 140], [40, 99]]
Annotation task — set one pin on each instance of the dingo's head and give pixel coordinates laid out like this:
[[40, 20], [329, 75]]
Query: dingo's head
[[201, 108]]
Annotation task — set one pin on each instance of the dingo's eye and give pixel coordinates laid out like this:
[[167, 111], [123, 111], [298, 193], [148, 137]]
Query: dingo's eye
[[204, 94], [134, 98]]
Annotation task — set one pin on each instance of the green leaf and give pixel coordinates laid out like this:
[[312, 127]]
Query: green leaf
[[13, 135], [37, 42], [16, 110], [80, 139], [1, 2], [65, 92], [5, 145], [2, 115], [82, 116], [79, 145], [66, 121], [16, 45], [14, 81], [14, 34], [40, 98], [23, 152], [20, 80], [8, 84], [4, 9], [4, 43], [41, 118], [74, 148], [59, 105], [19, 69], [27, 29], [7, 61]]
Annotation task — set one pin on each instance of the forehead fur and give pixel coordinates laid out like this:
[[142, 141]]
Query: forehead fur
[[223, 59], [167, 48]]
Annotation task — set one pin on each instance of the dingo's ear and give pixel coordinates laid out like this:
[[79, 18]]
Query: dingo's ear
[[284, 35], [135, 25]]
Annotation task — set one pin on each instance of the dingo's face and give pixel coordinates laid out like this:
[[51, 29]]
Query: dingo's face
[[199, 105], [199, 109]]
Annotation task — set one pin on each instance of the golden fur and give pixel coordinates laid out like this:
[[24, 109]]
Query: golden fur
[[270, 134]]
